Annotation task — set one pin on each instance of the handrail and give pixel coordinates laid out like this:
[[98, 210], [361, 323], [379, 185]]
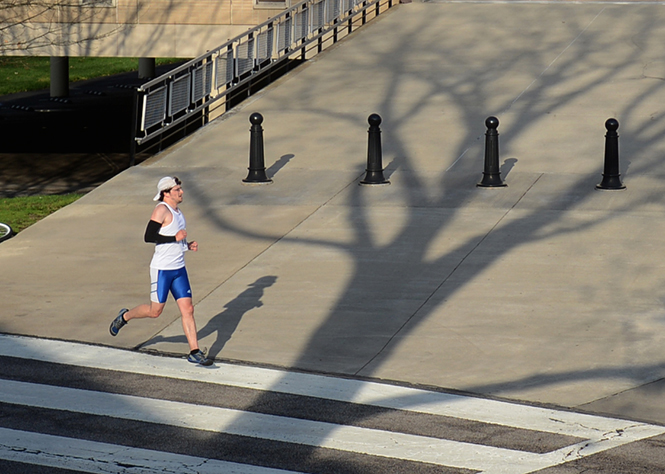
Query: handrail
[[190, 89]]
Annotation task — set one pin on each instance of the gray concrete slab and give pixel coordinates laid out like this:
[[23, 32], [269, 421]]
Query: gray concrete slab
[[547, 291]]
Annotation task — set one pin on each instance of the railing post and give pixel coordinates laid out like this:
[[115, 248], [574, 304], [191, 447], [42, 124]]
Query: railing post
[[134, 128]]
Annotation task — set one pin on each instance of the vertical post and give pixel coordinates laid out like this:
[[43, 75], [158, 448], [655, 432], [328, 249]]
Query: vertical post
[[374, 153], [134, 128], [257, 167], [146, 68], [611, 175], [491, 172], [59, 76]]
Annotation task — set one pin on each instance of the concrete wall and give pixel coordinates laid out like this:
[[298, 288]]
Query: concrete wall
[[129, 28]]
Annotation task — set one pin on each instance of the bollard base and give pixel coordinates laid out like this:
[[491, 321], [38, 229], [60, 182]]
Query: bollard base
[[481, 185], [491, 183], [373, 178], [366, 183], [256, 183], [613, 188], [610, 183]]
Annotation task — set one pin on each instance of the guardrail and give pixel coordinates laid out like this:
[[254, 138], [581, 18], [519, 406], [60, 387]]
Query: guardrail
[[212, 82]]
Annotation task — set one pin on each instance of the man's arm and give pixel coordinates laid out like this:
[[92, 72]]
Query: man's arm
[[161, 217], [152, 234]]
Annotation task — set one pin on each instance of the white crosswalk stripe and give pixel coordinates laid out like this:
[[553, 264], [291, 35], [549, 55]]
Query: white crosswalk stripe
[[103, 458], [587, 434]]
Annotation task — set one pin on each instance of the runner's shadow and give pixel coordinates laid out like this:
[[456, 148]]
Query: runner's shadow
[[226, 322]]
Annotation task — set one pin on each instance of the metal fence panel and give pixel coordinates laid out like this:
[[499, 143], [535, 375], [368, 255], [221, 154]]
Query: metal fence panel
[[179, 91], [224, 69], [318, 12], [245, 55], [284, 35], [202, 81], [154, 108], [332, 10], [265, 42], [302, 25]]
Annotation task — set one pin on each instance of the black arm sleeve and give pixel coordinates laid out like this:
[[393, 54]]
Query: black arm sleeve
[[152, 234]]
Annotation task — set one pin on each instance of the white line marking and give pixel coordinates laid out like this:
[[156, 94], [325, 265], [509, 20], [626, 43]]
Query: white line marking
[[460, 157], [103, 458], [602, 433], [332, 388], [256, 425]]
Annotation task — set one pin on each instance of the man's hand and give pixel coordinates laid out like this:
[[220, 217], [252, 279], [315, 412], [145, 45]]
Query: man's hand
[[181, 235], [193, 246]]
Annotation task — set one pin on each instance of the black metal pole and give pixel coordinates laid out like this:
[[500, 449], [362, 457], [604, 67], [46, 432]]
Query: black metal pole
[[257, 167], [374, 154], [491, 173], [135, 119], [611, 175], [59, 76]]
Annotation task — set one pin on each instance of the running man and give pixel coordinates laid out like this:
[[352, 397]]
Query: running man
[[167, 230]]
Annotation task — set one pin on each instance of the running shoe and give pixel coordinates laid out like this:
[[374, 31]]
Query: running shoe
[[118, 323], [199, 358]]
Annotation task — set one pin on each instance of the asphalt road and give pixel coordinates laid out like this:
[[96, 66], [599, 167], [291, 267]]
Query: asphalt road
[[72, 407]]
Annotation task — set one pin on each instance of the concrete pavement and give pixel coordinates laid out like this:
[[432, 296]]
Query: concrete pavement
[[545, 291]]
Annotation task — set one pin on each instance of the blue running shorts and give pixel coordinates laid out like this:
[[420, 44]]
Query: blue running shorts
[[163, 281]]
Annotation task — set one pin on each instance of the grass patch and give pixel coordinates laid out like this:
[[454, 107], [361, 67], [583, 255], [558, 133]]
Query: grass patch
[[22, 212], [31, 73]]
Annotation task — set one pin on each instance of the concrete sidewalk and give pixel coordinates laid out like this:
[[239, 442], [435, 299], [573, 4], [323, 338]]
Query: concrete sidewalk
[[545, 291]]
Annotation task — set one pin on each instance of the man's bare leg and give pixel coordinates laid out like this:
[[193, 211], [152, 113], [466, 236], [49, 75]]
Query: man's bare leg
[[152, 310], [188, 322]]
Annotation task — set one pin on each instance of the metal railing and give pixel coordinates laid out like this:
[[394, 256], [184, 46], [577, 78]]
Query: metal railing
[[188, 92]]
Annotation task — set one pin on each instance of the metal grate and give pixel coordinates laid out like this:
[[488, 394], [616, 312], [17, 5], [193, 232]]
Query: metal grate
[[332, 10], [179, 94], [302, 25], [224, 68], [265, 43], [245, 55], [284, 34], [202, 79], [318, 11], [154, 108]]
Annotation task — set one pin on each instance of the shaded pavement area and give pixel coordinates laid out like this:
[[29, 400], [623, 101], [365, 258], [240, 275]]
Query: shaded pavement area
[[73, 144]]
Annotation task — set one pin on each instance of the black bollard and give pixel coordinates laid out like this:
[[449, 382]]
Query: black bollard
[[492, 172], [611, 176], [374, 159], [257, 167]]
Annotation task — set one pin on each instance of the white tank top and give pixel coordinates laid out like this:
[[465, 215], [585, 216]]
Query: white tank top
[[170, 256]]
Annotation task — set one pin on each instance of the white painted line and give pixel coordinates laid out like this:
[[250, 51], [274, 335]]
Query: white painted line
[[455, 162], [331, 388], [102, 458], [277, 428]]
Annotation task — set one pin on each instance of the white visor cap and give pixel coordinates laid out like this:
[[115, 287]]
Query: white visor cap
[[164, 184]]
